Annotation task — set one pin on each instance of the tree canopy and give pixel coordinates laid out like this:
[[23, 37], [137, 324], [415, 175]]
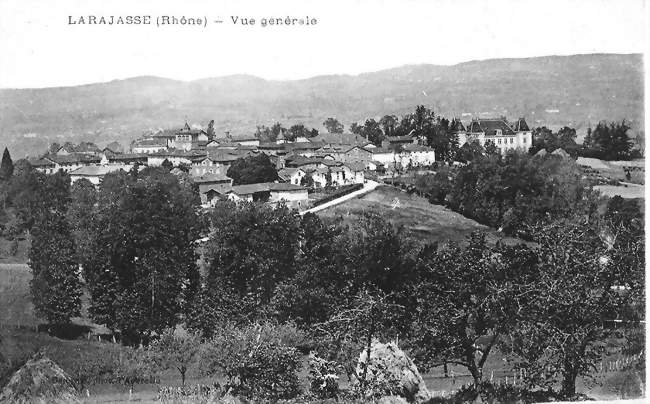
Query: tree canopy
[[252, 170]]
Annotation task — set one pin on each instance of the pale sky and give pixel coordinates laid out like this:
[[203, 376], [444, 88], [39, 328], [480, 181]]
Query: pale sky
[[39, 48]]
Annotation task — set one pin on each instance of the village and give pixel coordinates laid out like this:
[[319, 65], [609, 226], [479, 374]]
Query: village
[[304, 165]]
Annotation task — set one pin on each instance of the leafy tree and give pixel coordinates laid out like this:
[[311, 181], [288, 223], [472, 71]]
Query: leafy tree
[[252, 170], [388, 124], [468, 298], [307, 181], [299, 130], [259, 361], [83, 197], [609, 141], [366, 316], [581, 265], [544, 138], [33, 194], [356, 128], [312, 294], [172, 351], [54, 147], [6, 166], [516, 189], [55, 286], [333, 125], [141, 269], [167, 165], [437, 186], [491, 148], [469, 151], [252, 248], [372, 131]]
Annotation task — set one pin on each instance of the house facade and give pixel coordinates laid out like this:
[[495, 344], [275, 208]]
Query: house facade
[[498, 131]]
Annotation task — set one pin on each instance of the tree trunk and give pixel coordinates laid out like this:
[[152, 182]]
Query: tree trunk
[[569, 383]]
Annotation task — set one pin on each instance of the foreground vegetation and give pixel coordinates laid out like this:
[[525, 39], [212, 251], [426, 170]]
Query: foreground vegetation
[[273, 286]]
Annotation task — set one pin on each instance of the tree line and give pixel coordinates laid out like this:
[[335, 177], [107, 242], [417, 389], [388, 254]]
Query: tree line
[[132, 245], [607, 141]]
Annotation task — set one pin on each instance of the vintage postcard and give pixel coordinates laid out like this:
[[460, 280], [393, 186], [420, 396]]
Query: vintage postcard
[[364, 201]]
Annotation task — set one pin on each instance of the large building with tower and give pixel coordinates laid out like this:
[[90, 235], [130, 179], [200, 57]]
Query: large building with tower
[[498, 131]]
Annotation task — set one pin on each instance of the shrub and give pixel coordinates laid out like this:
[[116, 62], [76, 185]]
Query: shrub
[[258, 361], [135, 366], [173, 351], [626, 384], [323, 377]]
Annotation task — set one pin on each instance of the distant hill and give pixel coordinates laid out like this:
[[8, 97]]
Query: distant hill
[[552, 91]]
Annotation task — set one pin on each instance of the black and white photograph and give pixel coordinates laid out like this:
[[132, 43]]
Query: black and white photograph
[[320, 202]]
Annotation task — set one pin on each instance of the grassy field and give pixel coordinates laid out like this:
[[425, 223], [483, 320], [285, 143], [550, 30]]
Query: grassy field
[[615, 170], [630, 191], [16, 308], [423, 219]]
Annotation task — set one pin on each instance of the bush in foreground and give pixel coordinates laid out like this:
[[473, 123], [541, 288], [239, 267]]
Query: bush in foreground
[[259, 361]]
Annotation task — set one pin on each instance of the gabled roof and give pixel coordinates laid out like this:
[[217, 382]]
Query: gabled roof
[[341, 138], [490, 126], [42, 162], [158, 142], [214, 178], [270, 146], [355, 166], [456, 126], [302, 161], [303, 145], [416, 148], [250, 189], [165, 134], [521, 126], [74, 159], [380, 150], [126, 157], [187, 130], [97, 171]]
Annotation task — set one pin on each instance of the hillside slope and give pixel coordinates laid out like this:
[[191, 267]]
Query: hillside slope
[[554, 90]]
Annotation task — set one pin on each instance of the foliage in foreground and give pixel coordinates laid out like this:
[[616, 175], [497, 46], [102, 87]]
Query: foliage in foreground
[[258, 361]]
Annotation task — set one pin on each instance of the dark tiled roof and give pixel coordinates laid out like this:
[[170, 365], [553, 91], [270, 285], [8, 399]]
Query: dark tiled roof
[[521, 126], [399, 139], [355, 166], [41, 163], [210, 177], [490, 126], [303, 145], [456, 126], [74, 159], [380, 150], [243, 138], [97, 171], [271, 146], [127, 157], [416, 148], [345, 138], [150, 143]]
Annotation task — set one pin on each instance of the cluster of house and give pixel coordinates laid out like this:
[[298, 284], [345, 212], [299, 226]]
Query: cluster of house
[[317, 162]]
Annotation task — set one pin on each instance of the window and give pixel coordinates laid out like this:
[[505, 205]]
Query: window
[[498, 132], [512, 140], [499, 141]]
